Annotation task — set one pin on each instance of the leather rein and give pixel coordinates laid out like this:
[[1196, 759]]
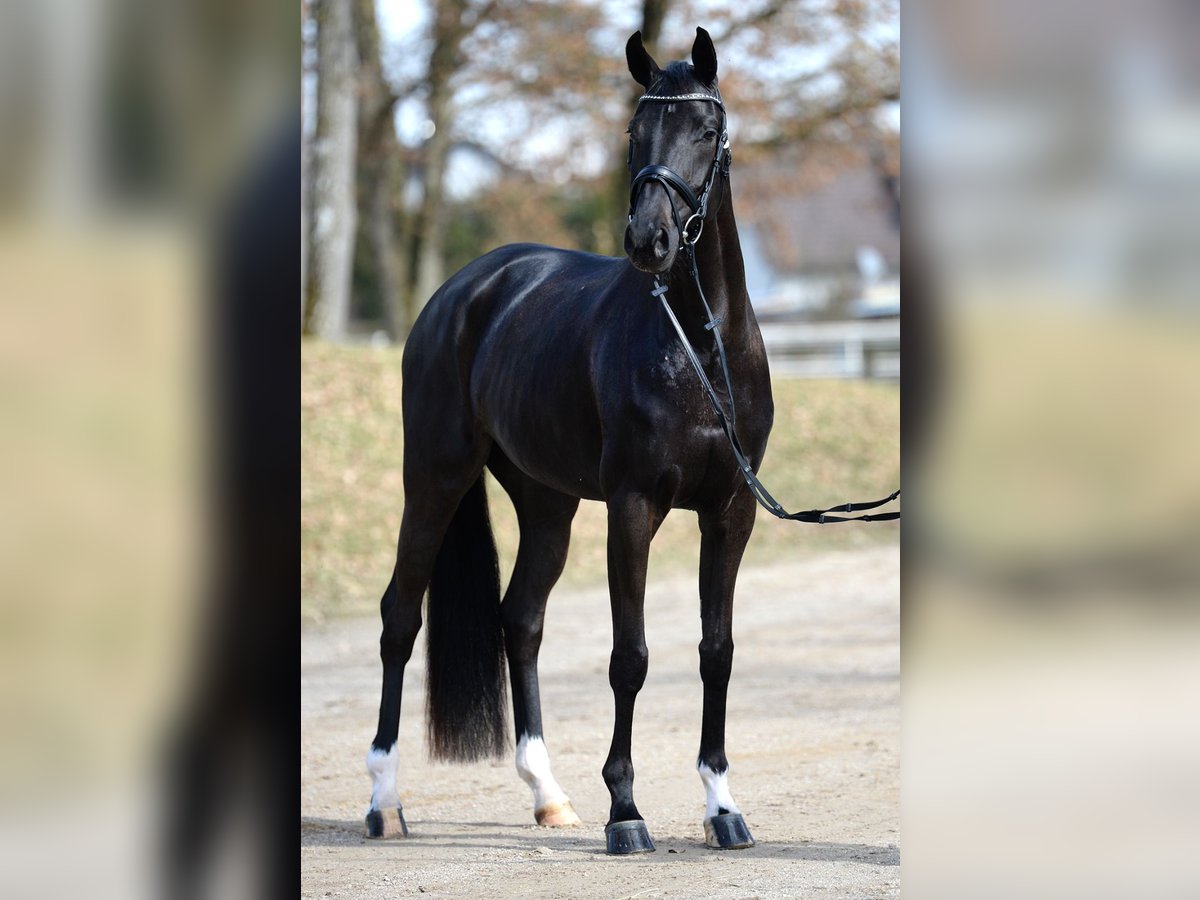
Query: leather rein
[[670, 180]]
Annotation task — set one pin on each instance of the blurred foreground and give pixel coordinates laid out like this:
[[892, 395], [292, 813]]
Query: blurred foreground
[[149, 157], [1052, 622]]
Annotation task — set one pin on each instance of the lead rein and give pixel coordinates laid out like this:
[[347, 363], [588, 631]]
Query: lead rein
[[757, 488]]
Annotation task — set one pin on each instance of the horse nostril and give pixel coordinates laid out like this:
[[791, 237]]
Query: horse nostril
[[661, 244]]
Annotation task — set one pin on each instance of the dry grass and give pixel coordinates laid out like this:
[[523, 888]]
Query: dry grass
[[832, 441]]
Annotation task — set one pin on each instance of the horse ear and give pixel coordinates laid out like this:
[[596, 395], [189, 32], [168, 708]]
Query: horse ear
[[704, 58], [642, 67]]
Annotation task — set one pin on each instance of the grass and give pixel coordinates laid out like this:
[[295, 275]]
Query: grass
[[832, 441]]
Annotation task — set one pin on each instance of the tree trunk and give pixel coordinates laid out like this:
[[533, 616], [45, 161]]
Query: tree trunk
[[380, 178], [653, 13], [450, 27], [432, 216], [334, 216], [391, 266]]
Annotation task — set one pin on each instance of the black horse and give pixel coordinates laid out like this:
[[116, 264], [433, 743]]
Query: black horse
[[561, 373]]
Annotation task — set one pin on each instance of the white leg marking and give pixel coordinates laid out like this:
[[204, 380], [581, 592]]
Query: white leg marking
[[382, 767], [533, 765], [716, 789]]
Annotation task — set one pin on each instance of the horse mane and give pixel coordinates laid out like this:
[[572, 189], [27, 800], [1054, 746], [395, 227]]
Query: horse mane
[[679, 77]]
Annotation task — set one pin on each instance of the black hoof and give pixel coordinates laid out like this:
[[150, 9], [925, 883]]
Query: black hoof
[[727, 832], [628, 837], [386, 823]]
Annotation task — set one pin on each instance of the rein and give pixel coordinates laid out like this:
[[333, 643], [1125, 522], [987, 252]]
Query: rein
[[669, 179]]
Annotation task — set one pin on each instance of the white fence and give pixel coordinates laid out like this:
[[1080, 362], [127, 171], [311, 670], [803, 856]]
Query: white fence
[[868, 348]]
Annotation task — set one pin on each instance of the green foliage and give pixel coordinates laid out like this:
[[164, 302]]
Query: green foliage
[[585, 211], [518, 209], [833, 441], [470, 232], [366, 300]]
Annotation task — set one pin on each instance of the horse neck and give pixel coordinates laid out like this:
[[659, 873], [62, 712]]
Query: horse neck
[[722, 276]]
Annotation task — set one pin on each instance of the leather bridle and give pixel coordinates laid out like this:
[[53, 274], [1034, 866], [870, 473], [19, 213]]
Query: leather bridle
[[671, 180]]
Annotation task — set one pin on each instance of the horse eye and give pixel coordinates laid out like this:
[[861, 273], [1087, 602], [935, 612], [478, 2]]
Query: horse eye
[[709, 134]]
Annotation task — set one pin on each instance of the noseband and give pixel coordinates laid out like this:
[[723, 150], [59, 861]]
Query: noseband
[[671, 179]]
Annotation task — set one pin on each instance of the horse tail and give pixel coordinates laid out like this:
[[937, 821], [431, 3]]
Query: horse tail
[[465, 692]]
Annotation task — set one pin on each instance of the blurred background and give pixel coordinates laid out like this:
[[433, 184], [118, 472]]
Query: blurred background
[[1050, 628], [149, 159], [435, 131]]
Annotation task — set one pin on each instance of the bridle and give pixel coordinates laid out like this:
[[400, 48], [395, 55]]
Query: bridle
[[671, 180]]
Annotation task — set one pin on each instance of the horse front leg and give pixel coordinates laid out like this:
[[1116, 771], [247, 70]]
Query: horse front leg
[[632, 521], [723, 540]]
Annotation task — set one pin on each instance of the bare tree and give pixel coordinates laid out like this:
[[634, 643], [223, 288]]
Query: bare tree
[[481, 55], [538, 60], [332, 171]]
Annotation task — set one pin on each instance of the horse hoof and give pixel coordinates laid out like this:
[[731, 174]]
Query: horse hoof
[[386, 823], [557, 815], [628, 837], [727, 832]]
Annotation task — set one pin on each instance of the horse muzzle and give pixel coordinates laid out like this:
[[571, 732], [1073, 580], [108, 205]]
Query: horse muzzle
[[650, 245]]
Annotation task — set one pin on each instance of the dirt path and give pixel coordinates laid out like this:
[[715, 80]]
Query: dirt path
[[813, 739]]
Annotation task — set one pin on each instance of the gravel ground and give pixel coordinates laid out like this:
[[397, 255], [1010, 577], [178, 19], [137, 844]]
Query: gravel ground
[[812, 737]]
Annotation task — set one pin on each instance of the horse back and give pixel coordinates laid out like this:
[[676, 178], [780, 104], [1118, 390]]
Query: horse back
[[510, 338]]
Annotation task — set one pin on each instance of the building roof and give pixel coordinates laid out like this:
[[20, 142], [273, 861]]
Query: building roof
[[826, 209]]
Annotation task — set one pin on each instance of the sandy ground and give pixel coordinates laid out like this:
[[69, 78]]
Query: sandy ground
[[813, 741]]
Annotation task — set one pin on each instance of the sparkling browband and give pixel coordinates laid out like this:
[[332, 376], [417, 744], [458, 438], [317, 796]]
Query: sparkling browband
[[675, 97]]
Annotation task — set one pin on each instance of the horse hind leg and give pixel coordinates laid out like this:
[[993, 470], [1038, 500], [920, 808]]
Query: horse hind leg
[[544, 516], [385, 818], [428, 512]]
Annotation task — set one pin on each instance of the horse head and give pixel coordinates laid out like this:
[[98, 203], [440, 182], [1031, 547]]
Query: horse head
[[678, 147]]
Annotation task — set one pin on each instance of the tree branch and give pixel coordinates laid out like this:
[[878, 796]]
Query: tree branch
[[803, 129], [768, 12], [479, 14]]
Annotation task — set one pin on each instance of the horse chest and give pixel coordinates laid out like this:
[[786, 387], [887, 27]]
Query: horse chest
[[669, 432], [679, 395]]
